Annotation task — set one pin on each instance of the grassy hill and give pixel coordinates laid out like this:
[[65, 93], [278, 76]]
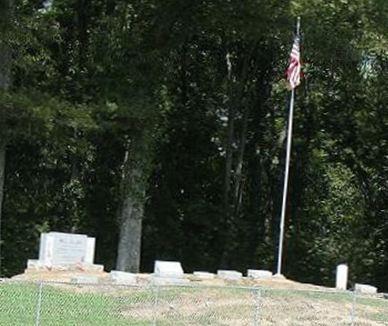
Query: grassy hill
[[23, 304]]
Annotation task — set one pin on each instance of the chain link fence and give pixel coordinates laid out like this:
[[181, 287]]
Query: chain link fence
[[23, 303]]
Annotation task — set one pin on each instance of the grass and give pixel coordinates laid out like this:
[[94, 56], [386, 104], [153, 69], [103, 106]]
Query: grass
[[71, 305], [19, 305]]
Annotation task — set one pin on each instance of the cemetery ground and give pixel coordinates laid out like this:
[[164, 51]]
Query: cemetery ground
[[213, 302], [65, 287]]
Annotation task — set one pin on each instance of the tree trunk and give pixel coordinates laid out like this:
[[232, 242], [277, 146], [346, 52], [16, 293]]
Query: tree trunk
[[229, 141], [5, 79], [238, 187], [5, 56], [130, 215], [128, 253], [2, 177], [228, 166], [5, 82], [235, 97]]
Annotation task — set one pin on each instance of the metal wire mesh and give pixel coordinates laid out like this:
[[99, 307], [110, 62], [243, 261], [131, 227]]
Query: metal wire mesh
[[23, 303], [369, 310], [291, 307]]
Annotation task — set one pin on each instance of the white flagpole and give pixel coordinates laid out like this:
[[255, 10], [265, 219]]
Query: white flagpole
[[286, 172]]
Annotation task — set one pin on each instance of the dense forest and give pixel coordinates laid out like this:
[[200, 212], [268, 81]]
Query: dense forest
[[159, 127]]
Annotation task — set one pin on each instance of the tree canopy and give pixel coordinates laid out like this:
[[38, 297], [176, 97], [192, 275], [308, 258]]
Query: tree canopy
[[159, 128]]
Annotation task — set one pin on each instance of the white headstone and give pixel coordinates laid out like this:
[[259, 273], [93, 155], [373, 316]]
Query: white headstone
[[258, 274], [34, 264], [169, 281], [43, 246], [342, 277], [204, 275], [229, 275], [46, 249], [84, 279], [88, 267], [68, 248], [122, 277], [365, 288], [65, 251], [168, 269], [90, 244]]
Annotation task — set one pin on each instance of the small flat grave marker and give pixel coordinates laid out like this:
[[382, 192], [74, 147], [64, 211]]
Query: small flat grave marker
[[168, 269], [229, 275], [259, 274], [84, 279], [169, 281], [122, 277], [204, 275], [365, 288]]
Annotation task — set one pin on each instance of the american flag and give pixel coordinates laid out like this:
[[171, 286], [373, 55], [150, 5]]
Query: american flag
[[294, 69]]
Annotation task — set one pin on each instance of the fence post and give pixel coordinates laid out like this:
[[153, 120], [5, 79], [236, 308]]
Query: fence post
[[353, 310], [256, 314], [39, 304]]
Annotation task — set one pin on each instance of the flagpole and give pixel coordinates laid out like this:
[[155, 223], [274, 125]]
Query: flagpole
[[286, 172]]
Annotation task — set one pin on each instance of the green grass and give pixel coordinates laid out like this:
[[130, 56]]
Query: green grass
[[66, 306], [339, 297], [72, 305], [19, 305], [366, 308]]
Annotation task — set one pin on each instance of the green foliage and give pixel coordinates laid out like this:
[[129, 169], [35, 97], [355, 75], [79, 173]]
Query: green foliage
[[94, 80]]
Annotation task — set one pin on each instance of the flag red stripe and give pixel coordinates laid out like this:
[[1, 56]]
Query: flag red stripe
[[294, 68]]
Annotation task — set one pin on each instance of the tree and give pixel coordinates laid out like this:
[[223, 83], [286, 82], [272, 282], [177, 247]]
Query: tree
[[5, 82], [159, 128]]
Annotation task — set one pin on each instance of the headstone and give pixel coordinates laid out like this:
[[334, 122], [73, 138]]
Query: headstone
[[229, 275], [84, 279], [86, 267], [169, 281], [168, 269], [65, 251], [43, 247], [365, 288], [259, 274], [342, 277], [122, 277], [68, 248], [90, 245], [34, 264], [204, 275]]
